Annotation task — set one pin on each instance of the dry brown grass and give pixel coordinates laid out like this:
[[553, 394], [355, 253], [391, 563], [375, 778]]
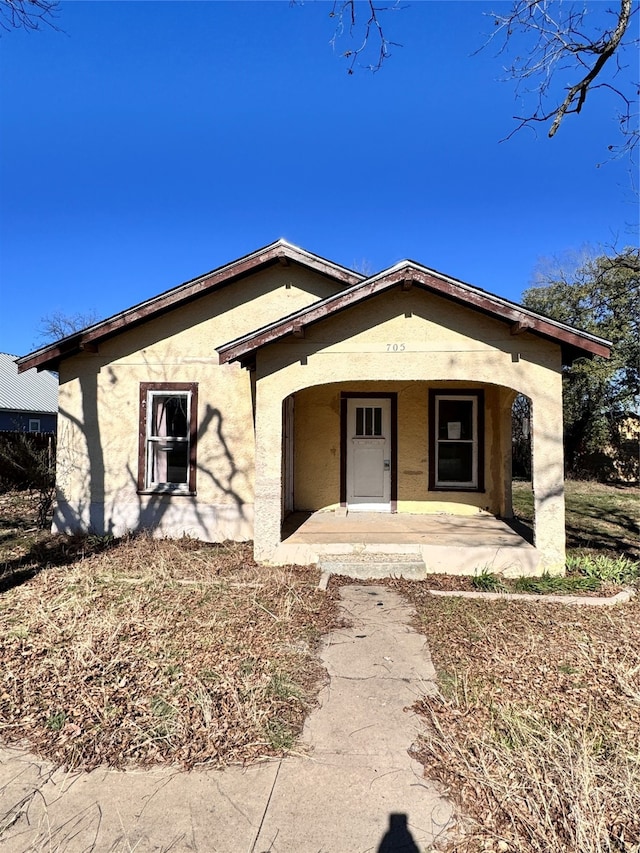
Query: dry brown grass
[[160, 651], [536, 733]]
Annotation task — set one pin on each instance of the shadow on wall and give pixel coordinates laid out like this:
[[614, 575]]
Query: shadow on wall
[[223, 472], [87, 509]]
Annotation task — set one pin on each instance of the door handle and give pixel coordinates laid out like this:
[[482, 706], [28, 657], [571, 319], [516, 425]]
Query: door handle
[[387, 464]]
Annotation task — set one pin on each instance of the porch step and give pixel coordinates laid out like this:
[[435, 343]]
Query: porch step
[[374, 565]]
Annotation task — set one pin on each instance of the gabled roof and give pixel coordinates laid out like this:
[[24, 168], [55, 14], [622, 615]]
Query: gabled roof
[[30, 392], [406, 274], [280, 252]]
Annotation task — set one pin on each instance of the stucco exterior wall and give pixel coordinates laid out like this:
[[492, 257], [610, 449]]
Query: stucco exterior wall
[[99, 413]]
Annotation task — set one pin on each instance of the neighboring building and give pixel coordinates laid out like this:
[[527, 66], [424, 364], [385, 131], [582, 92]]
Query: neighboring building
[[622, 459], [29, 400], [284, 382]]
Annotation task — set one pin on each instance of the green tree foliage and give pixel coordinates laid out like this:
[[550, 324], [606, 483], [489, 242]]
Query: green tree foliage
[[602, 297]]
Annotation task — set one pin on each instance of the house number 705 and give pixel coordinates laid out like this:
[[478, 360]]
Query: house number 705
[[395, 347]]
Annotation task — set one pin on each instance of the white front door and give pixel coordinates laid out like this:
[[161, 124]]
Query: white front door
[[369, 454]]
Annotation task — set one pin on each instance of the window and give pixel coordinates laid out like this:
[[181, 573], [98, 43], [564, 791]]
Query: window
[[168, 430], [456, 440], [34, 424], [368, 421]]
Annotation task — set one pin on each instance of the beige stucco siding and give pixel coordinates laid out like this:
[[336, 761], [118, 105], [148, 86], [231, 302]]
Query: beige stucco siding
[[98, 454], [317, 448]]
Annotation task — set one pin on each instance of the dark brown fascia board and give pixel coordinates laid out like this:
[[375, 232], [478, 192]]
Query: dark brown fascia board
[[88, 339], [573, 341], [521, 318]]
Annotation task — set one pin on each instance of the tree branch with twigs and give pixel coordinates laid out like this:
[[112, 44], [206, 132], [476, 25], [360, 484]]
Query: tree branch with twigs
[[554, 41], [27, 14], [567, 39], [344, 11]]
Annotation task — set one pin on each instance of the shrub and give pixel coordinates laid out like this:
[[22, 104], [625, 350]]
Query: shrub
[[28, 462]]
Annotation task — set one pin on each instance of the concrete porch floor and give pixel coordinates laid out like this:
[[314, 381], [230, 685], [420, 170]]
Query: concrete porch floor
[[446, 543]]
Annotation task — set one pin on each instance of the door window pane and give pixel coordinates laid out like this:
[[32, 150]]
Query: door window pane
[[369, 421], [377, 420]]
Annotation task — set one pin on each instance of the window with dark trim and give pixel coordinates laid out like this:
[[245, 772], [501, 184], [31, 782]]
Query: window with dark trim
[[456, 440], [168, 437]]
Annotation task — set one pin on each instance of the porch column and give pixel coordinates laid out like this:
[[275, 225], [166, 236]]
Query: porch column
[[547, 474], [506, 445], [268, 477]]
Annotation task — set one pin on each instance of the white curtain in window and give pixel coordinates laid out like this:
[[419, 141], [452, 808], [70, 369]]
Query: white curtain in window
[[160, 430]]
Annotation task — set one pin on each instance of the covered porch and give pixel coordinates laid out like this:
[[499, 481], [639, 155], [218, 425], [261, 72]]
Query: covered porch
[[370, 544], [391, 426]]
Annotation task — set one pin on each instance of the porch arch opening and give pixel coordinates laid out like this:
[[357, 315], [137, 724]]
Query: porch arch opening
[[315, 447], [522, 466], [311, 464]]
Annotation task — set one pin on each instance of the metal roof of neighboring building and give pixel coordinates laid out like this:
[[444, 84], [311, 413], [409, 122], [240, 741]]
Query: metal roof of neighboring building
[[27, 392]]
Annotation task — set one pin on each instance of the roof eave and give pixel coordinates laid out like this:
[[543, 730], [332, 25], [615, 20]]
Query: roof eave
[[574, 343], [281, 251]]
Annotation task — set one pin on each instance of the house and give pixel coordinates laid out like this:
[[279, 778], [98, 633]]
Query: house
[[625, 457], [283, 382], [29, 400]]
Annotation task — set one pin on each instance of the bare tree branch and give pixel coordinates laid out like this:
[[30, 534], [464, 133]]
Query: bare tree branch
[[27, 14], [567, 39], [563, 49], [344, 11], [55, 326]]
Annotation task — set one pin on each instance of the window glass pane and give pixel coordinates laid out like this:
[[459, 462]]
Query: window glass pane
[[168, 439], [169, 462], [455, 462], [368, 421], [178, 463], [455, 419], [169, 416]]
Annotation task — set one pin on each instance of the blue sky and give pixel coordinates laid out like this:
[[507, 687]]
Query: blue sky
[[149, 142]]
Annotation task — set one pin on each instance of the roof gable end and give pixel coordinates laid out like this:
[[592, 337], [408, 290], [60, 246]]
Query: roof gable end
[[279, 252], [406, 274]]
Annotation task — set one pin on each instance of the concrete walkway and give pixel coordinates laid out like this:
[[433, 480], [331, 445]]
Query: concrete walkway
[[354, 790]]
